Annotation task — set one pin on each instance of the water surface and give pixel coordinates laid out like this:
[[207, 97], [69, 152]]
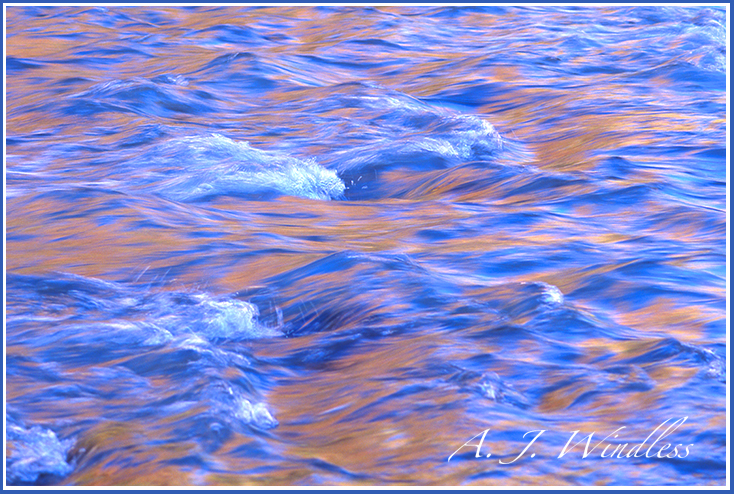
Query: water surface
[[331, 245]]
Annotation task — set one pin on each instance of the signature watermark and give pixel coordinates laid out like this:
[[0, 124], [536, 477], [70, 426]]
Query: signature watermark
[[655, 445]]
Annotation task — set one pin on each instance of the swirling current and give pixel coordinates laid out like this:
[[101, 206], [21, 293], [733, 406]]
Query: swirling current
[[366, 245]]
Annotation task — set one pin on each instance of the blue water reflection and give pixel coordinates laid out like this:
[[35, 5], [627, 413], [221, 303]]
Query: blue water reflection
[[331, 245]]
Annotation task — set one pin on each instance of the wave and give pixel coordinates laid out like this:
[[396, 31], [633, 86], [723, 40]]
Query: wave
[[373, 129], [407, 131], [378, 129], [195, 167], [167, 96], [383, 127], [128, 313], [161, 351], [35, 452]]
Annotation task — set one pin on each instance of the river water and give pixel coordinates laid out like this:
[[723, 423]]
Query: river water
[[366, 246]]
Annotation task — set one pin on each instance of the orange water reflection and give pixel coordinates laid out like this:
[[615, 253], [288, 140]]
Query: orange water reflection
[[352, 406]]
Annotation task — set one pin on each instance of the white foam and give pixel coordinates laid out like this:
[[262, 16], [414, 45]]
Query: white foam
[[552, 295], [233, 319], [229, 402], [189, 168], [257, 414], [34, 452], [416, 130]]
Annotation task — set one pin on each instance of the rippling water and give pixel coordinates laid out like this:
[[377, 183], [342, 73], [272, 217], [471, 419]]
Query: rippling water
[[359, 246]]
